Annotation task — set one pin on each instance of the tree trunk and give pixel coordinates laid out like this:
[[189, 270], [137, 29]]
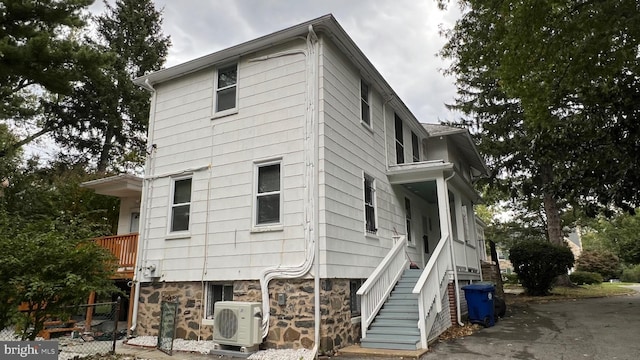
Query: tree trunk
[[105, 153], [554, 224]]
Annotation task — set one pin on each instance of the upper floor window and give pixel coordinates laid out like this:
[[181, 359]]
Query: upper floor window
[[181, 204], [268, 189], [415, 146], [226, 88], [399, 141], [365, 101], [370, 204]]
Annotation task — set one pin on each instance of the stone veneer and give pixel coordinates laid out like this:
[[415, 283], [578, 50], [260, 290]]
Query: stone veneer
[[292, 325]]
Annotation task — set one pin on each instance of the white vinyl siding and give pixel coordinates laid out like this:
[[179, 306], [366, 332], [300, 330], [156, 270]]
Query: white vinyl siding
[[221, 154], [347, 149]]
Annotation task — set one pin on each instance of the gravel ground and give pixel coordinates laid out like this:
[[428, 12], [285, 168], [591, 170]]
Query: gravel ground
[[204, 346]]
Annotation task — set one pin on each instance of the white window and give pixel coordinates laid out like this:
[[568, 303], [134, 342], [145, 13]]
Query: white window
[[407, 207], [370, 204], [365, 100], [268, 190], [226, 88], [399, 141], [452, 214], [215, 293], [415, 146], [181, 204]]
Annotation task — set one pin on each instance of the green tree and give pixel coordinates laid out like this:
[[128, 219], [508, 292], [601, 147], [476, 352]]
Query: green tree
[[619, 234], [604, 263], [50, 269], [548, 87], [46, 258], [40, 57], [107, 117]]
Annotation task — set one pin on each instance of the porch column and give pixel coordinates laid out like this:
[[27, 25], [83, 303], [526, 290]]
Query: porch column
[[443, 207]]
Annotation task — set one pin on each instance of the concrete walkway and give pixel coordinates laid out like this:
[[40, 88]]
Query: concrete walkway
[[602, 328]]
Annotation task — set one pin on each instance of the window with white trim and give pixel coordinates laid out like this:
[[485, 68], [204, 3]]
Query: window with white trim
[[365, 100], [215, 293], [370, 204], [399, 141], [452, 214], [268, 190], [415, 146], [180, 205], [407, 208], [226, 88]]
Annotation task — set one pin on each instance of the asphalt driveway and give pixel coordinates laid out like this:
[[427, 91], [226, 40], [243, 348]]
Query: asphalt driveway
[[603, 328]]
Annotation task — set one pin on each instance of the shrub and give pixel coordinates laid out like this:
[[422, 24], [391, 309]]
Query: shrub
[[631, 274], [602, 262], [585, 278], [538, 263], [510, 278]]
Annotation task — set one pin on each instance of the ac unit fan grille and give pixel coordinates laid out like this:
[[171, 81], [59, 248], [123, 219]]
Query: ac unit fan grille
[[227, 323]]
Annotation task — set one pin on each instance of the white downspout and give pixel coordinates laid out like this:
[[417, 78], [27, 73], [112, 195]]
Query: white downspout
[[453, 255], [311, 169], [143, 207], [316, 193]]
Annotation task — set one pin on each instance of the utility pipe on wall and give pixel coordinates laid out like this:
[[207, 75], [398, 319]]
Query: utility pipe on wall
[[311, 201]]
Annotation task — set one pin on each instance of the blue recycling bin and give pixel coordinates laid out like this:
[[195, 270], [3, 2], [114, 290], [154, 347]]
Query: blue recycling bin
[[480, 303]]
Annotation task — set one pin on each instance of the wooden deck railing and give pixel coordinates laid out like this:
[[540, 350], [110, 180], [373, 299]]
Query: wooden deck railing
[[123, 247]]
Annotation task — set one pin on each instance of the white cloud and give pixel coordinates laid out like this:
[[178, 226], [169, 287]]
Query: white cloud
[[400, 37]]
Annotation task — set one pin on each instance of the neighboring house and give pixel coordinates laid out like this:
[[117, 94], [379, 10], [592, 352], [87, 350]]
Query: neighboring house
[[286, 171]]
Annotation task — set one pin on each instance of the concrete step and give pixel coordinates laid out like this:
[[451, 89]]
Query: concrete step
[[391, 342]]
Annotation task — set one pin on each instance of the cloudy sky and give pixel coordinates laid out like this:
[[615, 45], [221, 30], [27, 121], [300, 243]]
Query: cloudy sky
[[400, 37]]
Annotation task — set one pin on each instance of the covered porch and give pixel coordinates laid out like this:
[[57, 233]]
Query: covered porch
[[406, 309]]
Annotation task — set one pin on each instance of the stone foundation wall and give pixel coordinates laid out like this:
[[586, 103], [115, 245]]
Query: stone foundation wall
[[291, 325], [190, 307]]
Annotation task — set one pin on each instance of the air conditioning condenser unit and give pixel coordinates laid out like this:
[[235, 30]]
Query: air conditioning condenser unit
[[237, 323]]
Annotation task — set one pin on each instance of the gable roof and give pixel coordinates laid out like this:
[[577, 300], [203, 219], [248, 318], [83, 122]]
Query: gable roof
[[463, 141], [326, 24]]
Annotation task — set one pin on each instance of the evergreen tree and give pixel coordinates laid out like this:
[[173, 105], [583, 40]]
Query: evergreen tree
[[107, 116], [39, 57]]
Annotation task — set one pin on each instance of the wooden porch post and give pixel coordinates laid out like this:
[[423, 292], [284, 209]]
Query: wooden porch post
[[89, 315]]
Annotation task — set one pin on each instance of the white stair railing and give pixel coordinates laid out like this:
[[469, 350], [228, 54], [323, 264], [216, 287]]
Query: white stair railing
[[429, 287], [374, 292]]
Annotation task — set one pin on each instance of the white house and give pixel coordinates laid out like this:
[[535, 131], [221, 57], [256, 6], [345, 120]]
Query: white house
[[286, 171]]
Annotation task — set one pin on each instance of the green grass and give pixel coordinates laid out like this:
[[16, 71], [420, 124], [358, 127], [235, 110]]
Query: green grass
[[577, 292], [596, 290]]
